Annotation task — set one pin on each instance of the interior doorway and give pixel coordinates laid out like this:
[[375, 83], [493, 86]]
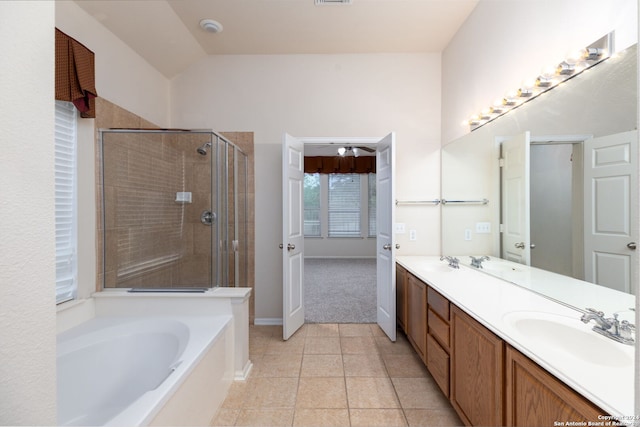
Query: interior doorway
[[340, 231], [293, 234]]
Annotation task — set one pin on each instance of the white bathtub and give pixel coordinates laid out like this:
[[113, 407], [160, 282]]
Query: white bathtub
[[143, 370]]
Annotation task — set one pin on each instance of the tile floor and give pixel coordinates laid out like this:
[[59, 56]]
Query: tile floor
[[334, 375]]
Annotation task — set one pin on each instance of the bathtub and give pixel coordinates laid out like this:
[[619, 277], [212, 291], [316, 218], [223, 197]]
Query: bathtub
[[150, 370]]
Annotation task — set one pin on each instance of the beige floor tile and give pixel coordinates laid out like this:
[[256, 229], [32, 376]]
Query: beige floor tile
[[419, 393], [323, 330], [321, 417], [363, 365], [432, 418], [322, 365], [265, 331], [401, 346], [377, 417], [401, 365], [265, 417], [317, 393], [322, 345], [295, 344], [271, 393], [225, 417], [371, 392], [358, 345], [236, 395], [355, 330], [277, 365], [376, 331]]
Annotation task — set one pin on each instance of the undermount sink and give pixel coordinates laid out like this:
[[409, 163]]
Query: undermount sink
[[569, 336]]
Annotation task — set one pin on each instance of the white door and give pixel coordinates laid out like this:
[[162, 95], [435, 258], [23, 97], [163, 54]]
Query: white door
[[611, 210], [516, 241], [292, 236], [385, 246]]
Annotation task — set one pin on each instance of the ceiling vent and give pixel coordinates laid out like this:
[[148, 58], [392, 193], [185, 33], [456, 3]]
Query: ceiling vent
[[323, 2]]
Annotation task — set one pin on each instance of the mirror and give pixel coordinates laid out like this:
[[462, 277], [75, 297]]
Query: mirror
[[560, 126]]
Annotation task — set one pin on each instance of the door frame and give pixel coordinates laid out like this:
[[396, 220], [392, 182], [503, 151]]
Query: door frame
[[330, 141]]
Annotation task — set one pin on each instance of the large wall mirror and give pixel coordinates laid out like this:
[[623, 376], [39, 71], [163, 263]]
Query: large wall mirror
[[525, 178]]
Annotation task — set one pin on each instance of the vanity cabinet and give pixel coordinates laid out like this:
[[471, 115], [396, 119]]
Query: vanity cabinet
[[401, 296], [416, 325], [438, 332], [535, 398], [477, 367]]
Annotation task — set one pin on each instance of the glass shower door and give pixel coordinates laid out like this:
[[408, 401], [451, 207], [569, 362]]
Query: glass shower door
[[159, 211]]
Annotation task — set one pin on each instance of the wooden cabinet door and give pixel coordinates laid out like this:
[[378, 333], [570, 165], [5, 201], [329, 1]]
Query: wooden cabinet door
[[536, 398], [417, 315], [477, 363], [401, 297]]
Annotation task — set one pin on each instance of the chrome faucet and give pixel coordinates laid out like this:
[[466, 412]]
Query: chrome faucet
[[477, 262], [621, 332], [453, 261]]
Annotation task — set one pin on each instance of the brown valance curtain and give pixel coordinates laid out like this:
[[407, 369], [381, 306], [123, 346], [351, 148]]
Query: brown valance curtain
[[340, 164], [75, 74]]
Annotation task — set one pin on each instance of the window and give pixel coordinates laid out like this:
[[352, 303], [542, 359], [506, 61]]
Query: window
[[65, 201], [344, 205], [312, 205], [339, 205], [371, 197]]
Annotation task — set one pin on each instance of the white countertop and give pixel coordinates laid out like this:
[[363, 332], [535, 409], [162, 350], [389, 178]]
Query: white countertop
[[490, 301]]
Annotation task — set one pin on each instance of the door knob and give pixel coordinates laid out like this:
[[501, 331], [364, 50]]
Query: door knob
[[387, 247], [519, 245], [281, 246], [290, 247], [632, 245], [532, 246], [397, 245]]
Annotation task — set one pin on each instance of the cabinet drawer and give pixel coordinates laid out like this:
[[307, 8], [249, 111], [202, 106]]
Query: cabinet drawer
[[438, 328], [438, 364], [438, 303]]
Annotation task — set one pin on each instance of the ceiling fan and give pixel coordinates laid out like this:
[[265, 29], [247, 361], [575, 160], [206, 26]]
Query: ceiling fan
[[343, 151]]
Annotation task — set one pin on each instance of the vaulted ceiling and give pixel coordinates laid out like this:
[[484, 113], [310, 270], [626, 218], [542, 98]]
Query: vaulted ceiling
[[167, 33]]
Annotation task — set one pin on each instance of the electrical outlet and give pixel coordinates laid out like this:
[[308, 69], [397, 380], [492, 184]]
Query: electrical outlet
[[483, 227], [413, 235], [467, 234], [400, 228]]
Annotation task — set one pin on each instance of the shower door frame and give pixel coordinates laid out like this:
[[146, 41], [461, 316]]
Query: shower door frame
[[221, 247]]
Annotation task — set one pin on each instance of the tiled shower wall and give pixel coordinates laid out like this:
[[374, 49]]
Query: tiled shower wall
[[143, 182]]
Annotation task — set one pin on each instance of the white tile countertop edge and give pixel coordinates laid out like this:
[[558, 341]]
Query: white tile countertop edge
[[488, 299]]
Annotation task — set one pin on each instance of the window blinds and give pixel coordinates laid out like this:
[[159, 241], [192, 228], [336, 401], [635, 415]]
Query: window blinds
[[65, 201], [344, 205]]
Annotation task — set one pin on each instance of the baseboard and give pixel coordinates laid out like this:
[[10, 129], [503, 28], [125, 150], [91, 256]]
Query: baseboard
[[268, 321], [241, 375]]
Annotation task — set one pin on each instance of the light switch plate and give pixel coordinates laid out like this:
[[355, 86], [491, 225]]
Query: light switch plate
[[413, 235], [483, 227], [400, 228], [467, 234]]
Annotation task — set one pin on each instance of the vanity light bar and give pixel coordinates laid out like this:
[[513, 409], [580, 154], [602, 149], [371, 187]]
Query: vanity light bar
[[565, 70]]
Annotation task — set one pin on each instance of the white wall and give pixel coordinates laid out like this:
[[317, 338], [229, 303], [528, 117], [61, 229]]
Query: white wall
[[316, 96], [27, 248], [504, 42], [122, 76]]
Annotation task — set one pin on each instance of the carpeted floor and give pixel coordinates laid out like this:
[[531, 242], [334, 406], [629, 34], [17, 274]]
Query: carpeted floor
[[340, 290]]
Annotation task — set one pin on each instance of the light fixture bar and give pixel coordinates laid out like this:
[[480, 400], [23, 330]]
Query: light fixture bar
[[593, 54]]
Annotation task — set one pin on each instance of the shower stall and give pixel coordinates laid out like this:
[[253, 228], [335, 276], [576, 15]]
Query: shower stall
[[174, 210]]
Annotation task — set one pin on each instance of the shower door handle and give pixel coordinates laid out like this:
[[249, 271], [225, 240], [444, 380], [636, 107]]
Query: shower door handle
[[234, 245]]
